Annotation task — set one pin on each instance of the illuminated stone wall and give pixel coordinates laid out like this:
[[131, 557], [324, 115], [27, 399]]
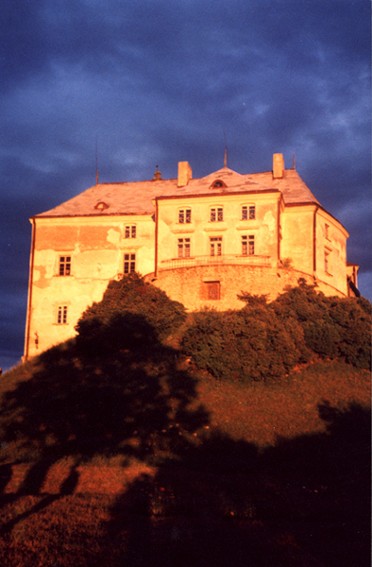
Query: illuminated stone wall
[[292, 242]]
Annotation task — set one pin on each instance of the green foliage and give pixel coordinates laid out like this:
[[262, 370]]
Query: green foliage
[[133, 312], [332, 326], [246, 344], [267, 340]]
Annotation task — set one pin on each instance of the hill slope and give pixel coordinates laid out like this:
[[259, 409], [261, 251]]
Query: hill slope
[[117, 449], [139, 459]]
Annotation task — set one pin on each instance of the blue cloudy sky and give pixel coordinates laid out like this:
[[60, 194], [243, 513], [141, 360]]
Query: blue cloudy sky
[[160, 81]]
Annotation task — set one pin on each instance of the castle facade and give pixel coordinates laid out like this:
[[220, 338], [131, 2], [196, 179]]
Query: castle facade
[[203, 241]]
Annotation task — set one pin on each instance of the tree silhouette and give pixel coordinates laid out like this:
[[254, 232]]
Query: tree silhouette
[[94, 398]]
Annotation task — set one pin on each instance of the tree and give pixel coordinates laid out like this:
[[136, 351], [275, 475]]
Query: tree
[[131, 298]]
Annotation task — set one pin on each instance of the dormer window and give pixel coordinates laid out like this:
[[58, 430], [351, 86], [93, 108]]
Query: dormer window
[[218, 184], [101, 206]]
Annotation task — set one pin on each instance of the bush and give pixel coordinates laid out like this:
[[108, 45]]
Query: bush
[[332, 326], [247, 344], [267, 340], [132, 312]]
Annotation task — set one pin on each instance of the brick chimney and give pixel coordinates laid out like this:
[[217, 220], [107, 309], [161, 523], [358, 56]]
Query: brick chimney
[[184, 173], [278, 166]]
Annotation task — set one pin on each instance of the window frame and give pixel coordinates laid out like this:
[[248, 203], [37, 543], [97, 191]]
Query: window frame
[[130, 231], [62, 314], [248, 244], [64, 265], [129, 263], [327, 261], [216, 213], [215, 245], [248, 212], [184, 215], [184, 247], [327, 231]]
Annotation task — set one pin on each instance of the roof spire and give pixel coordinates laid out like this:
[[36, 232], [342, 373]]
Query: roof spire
[[225, 155], [97, 171], [157, 174], [293, 161]]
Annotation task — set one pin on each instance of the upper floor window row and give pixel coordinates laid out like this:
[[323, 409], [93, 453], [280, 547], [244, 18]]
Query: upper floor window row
[[216, 214]]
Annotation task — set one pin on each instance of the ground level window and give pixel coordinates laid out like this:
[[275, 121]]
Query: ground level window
[[129, 263], [184, 247], [130, 231], [64, 266], [212, 290], [248, 245], [248, 212], [62, 314], [215, 246]]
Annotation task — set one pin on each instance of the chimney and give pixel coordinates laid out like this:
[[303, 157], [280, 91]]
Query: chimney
[[278, 166], [184, 173]]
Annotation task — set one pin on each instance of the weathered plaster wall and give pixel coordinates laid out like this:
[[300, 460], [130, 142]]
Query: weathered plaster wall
[[297, 237], [96, 246]]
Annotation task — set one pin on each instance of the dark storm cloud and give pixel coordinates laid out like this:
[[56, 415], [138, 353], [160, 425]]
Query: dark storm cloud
[[158, 82]]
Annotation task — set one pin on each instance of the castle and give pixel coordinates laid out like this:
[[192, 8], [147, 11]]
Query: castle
[[203, 241]]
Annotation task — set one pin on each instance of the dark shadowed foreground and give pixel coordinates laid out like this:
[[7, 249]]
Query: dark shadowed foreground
[[111, 457]]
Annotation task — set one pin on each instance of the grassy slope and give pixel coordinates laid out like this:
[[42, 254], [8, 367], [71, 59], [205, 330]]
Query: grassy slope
[[277, 472], [260, 413]]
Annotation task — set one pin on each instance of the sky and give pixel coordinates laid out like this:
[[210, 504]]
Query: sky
[[140, 83]]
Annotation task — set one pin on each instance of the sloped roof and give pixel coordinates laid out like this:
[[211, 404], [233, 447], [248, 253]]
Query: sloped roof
[[137, 197]]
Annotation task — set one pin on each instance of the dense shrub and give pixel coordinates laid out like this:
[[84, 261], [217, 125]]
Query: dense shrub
[[132, 312], [332, 326], [266, 340], [247, 344], [352, 318]]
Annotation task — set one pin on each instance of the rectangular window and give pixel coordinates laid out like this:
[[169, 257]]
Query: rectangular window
[[129, 263], [130, 231], [216, 214], [327, 268], [248, 245], [64, 266], [184, 247], [326, 231], [248, 212], [213, 290], [62, 315], [184, 216], [215, 246]]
